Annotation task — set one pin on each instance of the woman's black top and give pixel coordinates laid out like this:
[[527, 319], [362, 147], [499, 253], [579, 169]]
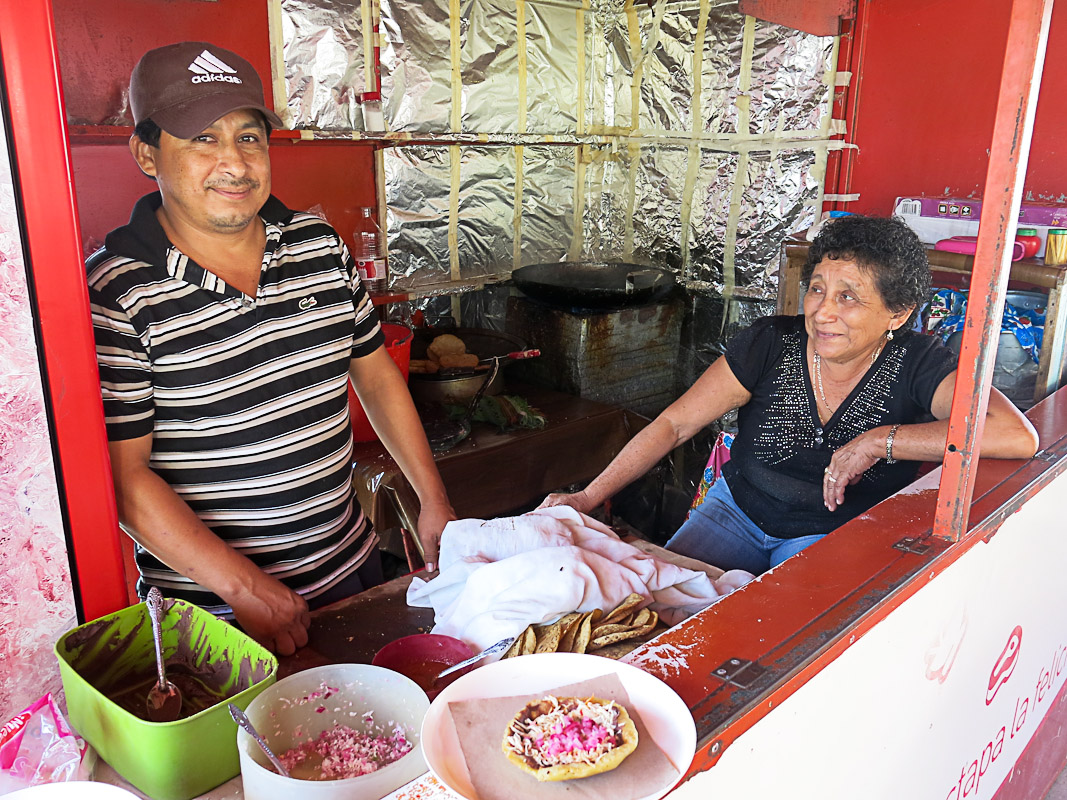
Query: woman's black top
[[775, 472]]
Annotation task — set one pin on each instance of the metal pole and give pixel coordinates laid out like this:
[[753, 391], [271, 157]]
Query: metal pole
[[1019, 84]]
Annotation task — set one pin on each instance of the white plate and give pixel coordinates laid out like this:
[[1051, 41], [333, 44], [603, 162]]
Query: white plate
[[665, 715], [72, 790]]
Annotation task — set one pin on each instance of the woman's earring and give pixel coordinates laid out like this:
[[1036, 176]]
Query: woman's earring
[[889, 334]]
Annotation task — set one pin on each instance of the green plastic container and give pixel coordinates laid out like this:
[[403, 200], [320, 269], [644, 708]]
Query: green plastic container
[[165, 760]]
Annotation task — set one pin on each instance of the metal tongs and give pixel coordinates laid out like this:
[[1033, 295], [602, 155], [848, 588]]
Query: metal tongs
[[486, 363]]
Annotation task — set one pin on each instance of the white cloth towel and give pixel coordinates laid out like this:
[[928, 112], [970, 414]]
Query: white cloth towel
[[498, 576]]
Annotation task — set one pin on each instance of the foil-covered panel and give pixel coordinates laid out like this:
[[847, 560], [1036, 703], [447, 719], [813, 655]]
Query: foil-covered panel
[[636, 191], [614, 66], [547, 203], [606, 221], [552, 42], [485, 213], [781, 193], [418, 186], [721, 69], [659, 187], [489, 65], [708, 218], [417, 181], [786, 77], [788, 86], [324, 64], [416, 67], [667, 77], [603, 58], [667, 80]]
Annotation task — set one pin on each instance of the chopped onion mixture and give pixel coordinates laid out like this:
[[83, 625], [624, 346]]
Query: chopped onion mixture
[[574, 732], [347, 753]]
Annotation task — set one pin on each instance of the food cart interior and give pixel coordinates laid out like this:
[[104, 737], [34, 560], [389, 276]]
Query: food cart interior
[[613, 154]]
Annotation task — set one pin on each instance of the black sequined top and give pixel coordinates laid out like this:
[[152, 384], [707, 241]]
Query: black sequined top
[[781, 448]]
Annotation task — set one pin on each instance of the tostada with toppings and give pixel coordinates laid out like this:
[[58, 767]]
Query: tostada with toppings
[[559, 739]]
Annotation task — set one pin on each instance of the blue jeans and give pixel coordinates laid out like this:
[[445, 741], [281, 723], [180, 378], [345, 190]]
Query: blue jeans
[[721, 534]]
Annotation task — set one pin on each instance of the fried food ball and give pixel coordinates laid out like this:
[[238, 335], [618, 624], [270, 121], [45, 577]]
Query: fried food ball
[[421, 366], [445, 344]]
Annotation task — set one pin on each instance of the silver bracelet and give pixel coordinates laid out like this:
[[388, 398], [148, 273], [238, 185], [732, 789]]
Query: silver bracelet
[[889, 445]]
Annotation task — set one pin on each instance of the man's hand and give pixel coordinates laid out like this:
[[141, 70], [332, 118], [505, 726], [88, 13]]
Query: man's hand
[[432, 520], [274, 615], [167, 527]]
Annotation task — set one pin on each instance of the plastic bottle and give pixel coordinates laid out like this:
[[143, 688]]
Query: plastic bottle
[[369, 252], [1030, 240]]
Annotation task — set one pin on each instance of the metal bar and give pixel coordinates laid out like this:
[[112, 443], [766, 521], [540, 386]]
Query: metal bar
[[57, 278], [1019, 84]]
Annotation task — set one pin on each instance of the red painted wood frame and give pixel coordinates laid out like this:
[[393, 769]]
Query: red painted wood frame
[[821, 17], [1019, 85], [43, 177]]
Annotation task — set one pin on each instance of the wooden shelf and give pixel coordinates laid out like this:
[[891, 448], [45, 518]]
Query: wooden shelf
[[114, 134]]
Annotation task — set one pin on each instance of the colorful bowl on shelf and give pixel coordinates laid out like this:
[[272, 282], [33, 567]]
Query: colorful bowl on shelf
[[422, 656]]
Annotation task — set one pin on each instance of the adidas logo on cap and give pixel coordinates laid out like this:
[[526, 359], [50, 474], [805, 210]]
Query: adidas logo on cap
[[186, 86], [208, 68]]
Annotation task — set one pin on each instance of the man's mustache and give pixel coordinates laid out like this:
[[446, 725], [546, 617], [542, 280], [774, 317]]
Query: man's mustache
[[238, 185]]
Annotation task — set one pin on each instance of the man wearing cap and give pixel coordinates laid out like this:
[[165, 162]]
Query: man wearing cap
[[227, 328]]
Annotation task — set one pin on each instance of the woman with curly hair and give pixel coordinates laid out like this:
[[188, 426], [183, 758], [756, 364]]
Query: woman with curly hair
[[836, 407]]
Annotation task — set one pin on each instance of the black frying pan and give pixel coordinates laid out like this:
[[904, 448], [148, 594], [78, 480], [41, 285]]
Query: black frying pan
[[593, 284]]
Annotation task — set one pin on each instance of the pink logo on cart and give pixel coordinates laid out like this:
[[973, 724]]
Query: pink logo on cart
[[1005, 664]]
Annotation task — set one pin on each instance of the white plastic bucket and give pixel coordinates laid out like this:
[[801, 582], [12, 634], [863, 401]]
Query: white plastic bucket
[[288, 714]]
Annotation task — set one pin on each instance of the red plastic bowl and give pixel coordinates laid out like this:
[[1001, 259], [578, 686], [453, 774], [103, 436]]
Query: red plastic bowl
[[422, 656]]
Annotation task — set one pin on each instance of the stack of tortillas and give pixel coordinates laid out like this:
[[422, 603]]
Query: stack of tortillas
[[587, 632]]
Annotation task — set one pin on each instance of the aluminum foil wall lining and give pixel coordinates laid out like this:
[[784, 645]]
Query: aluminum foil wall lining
[[323, 51], [706, 179], [418, 191], [415, 65], [641, 193]]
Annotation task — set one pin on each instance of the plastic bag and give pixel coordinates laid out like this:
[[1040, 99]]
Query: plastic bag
[[38, 746]]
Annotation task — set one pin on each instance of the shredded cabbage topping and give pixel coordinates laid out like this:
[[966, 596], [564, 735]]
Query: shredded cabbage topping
[[347, 753], [572, 731]]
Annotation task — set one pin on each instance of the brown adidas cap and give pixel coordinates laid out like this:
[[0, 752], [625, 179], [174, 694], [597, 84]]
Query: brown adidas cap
[[185, 87]]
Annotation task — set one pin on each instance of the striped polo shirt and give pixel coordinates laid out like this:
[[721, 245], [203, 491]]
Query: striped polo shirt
[[245, 398]]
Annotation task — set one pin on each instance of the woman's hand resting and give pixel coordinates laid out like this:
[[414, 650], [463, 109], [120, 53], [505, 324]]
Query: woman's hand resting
[[850, 462], [579, 501]]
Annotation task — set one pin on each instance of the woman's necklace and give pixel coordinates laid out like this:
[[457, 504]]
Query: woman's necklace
[[818, 376]]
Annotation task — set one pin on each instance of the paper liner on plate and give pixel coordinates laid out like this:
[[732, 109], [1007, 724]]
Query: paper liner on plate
[[481, 724]]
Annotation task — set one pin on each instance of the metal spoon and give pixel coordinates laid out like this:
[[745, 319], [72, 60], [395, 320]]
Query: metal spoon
[[242, 720], [492, 649], [164, 698]]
